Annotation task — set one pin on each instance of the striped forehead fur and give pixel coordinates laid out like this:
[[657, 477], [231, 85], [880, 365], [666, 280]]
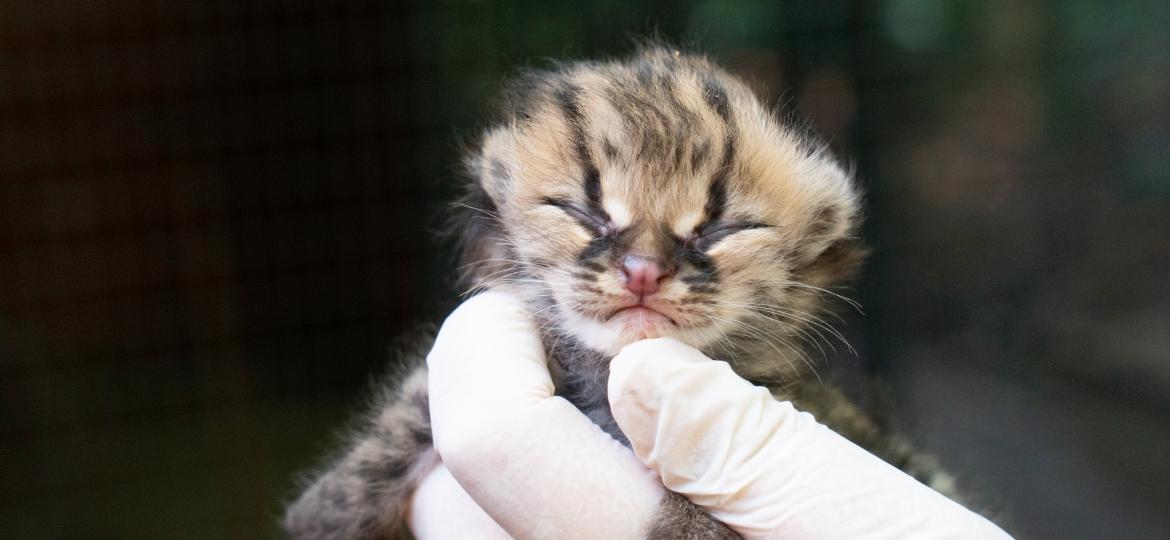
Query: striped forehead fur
[[661, 116]]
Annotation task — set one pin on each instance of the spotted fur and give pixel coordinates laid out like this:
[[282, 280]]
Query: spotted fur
[[667, 156]]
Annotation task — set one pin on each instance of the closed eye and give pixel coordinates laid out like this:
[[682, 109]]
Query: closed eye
[[600, 225], [709, 234]]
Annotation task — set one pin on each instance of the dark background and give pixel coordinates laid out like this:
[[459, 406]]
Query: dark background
[[215, 217]]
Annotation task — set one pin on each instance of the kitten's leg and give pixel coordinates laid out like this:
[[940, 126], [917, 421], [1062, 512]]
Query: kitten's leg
[[679, 518], [365, 493]]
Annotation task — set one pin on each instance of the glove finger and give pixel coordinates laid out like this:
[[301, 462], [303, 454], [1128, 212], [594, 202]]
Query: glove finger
[[759, 465]]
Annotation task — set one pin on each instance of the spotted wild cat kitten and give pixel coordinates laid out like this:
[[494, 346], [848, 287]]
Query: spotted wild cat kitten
[[625, 200]]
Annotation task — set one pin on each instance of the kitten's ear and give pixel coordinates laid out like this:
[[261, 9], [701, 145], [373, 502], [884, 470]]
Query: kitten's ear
[[831, 252], [494, 165], [476, 216]]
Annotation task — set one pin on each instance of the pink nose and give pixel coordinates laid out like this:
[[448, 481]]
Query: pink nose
[[642, 274]]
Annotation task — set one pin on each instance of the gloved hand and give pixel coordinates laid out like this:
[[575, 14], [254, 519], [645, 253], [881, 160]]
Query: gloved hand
[[759, 465], [540, 469], [531, 460]]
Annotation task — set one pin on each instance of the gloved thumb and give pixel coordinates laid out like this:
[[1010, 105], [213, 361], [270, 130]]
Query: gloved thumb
[[759, 465]]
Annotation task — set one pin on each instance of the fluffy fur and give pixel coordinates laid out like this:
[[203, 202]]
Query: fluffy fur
[[666, 156]]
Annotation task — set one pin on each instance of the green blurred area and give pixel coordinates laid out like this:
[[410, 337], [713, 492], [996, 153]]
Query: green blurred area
[[215, 218]]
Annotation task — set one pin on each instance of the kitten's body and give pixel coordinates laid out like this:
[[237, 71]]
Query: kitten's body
[[627, 200]]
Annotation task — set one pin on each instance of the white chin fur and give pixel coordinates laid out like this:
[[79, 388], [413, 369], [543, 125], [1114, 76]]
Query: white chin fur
[[609, 337]]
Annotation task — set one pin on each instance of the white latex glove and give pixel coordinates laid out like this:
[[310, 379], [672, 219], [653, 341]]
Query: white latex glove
[[441, 509], [759, 465], [540, 469], [531, 460]]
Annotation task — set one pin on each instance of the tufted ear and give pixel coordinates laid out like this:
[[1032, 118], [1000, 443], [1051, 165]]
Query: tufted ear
[[475, 217], [831, 252], [494, 165]]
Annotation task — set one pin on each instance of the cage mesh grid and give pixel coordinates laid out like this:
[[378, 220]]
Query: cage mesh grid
[[211, 214]]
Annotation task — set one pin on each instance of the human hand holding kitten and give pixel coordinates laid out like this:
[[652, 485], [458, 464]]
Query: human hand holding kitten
[[540, 469], [530, 459]]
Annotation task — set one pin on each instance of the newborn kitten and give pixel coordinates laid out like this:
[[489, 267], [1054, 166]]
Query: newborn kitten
[[626, 200]]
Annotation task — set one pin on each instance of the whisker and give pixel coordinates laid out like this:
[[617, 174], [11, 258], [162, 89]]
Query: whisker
[[853, 303]]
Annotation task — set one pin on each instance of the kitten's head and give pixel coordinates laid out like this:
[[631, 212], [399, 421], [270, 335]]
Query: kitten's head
[[657, 197]]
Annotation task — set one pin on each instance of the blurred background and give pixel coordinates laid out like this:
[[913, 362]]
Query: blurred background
[[216, 217]]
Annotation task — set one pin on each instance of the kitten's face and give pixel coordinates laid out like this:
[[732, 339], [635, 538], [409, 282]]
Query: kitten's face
[[658, 198]]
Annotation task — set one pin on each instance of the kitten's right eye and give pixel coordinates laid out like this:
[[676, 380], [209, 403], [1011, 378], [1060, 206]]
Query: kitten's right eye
[[600, 226]]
